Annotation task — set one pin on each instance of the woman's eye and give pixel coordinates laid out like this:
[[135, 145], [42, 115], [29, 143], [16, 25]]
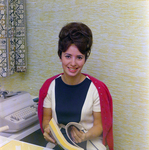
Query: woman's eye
[[79, 57], [67, 56]]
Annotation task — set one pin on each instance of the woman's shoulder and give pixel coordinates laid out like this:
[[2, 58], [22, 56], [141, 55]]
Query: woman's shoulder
[[93, 79], [48, 81], [100, 85]]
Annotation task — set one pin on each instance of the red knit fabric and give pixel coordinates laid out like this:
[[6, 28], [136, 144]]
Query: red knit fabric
[[105, 103]]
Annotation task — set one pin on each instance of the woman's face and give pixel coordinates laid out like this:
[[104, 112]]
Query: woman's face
[[72, 61]]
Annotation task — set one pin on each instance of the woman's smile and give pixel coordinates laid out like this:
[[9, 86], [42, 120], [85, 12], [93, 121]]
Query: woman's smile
[[73, 70]]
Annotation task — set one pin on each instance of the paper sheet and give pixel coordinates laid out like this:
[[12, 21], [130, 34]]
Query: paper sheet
[[4, 141]]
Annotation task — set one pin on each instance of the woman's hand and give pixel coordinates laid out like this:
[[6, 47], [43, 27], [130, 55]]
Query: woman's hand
[[95, 131], [48, 135], [47, 115], [77, 135]]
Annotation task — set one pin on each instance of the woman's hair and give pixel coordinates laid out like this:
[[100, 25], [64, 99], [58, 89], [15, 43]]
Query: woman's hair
[[78, 34]]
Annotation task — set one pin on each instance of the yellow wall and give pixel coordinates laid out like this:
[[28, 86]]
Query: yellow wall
[[120, 57]]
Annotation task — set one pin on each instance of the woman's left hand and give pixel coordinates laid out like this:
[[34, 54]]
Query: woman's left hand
[[77, 136], [93, 132]]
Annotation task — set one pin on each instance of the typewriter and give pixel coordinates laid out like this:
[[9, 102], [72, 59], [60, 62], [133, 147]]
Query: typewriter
[[17, 110]]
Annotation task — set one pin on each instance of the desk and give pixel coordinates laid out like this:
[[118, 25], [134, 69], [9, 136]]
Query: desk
[[23, 133], [11, 144]]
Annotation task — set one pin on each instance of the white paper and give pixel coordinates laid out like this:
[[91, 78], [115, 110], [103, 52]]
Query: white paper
[[4, 140]]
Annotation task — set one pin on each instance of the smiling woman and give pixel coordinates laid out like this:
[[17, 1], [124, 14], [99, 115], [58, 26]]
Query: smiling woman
[[76, 97]]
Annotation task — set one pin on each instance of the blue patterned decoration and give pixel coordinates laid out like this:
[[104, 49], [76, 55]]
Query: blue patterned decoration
[[13, 52]]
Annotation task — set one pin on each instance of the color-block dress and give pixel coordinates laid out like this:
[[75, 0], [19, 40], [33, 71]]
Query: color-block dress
[[74, 103]]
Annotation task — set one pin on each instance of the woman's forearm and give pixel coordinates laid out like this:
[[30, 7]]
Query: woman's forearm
[[47, 115], [94, 132], [45, 123], [97, 128]]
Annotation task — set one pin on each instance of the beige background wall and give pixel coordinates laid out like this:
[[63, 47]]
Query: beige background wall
[[120, 57]]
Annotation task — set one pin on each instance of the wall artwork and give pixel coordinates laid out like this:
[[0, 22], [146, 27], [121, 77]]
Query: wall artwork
[[13, 51]]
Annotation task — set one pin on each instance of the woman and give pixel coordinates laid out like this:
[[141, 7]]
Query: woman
[[76, 97]]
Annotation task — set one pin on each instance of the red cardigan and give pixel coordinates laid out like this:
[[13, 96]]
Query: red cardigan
[[105, 103]]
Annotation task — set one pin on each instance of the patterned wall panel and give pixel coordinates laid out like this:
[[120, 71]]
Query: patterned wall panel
[[3, 41], [13, 50]]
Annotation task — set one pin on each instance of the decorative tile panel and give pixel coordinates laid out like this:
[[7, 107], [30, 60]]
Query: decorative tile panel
[[13, 51]]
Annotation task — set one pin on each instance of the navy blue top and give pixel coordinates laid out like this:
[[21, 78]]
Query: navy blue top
[[69, 100]]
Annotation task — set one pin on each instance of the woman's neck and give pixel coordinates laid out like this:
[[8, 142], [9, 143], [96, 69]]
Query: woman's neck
[[73, 80]]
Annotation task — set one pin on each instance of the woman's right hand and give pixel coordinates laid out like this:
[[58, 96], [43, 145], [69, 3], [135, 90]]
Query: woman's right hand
[[48, 135]]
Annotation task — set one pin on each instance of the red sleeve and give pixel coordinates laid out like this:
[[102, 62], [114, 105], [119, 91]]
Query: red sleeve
[[42, 94], [106, 111]]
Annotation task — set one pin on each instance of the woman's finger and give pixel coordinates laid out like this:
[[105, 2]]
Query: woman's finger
[[49, 137], [76, 135]]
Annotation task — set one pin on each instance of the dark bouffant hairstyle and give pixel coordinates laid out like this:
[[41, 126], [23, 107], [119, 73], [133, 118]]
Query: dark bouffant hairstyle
[[78, 34]]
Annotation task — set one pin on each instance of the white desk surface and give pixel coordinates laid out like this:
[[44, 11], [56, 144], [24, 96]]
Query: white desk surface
[[11, 144], [23, 133]]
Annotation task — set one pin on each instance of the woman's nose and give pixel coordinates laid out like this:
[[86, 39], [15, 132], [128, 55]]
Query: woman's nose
[[73, 62]]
